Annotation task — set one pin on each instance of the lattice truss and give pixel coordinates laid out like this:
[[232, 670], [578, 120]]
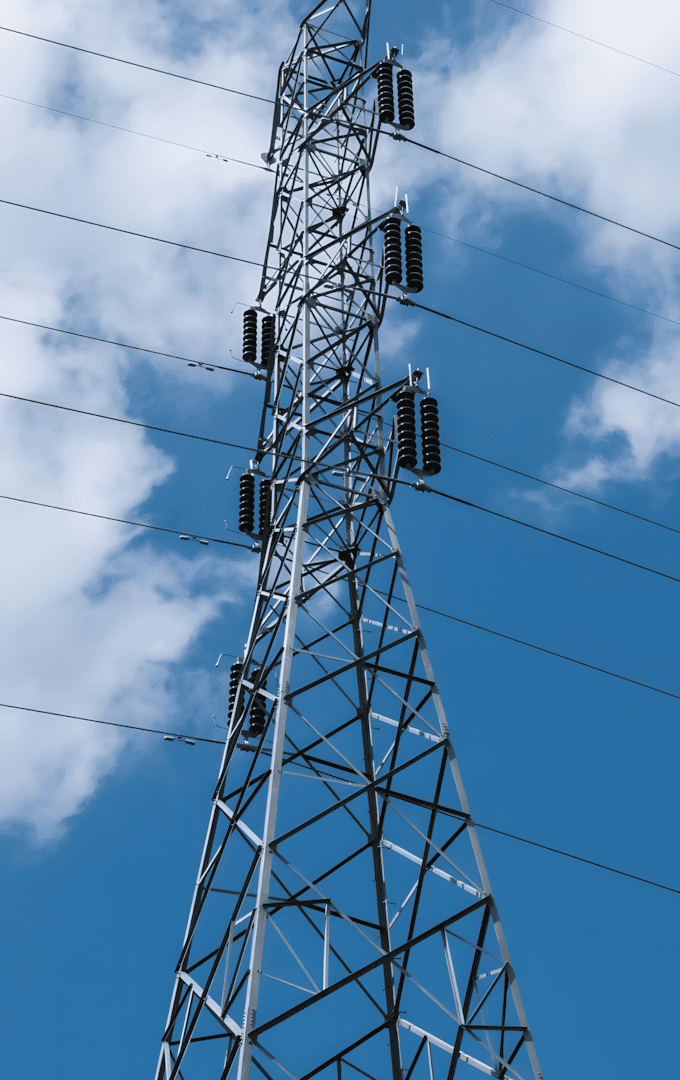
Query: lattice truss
[[342, 921]]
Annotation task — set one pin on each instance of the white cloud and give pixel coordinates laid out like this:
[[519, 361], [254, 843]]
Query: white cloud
[[651, 428], [594, 127], [396, 338], [85, 652], [92, 625]]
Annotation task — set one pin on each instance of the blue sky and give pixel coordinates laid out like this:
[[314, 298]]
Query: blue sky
[[101, 831]]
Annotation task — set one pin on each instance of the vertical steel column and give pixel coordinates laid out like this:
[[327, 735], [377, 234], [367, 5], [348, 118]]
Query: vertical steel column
[[263, 888]]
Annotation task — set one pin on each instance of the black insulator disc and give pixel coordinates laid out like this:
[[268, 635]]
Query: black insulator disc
[[407, 460], [434, 466], [429, 435], [429, 409], [250, 335], [407, 116], [234, 677], [265, 505], [392, 250], [428, 421], [414, 258], [406, 429], [246, 503], [258, 708], [405, 424], [385, 76], [268, 340]]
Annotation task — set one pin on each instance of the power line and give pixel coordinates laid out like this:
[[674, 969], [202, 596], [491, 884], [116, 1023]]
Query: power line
[[537, 528], [263, 168], [578, 858], [133, 63], [128, 232], [110, 723], [132, 423], [550, 652], [445, 495], [239, 446], [137, 423], [395, 135], [433, 232], [142, 134], [125, 345], [530, 348], [399, 299], [584, 37], [558, 487], [539, 648], [251, 449], [553, 277], [478, 824], [536, 191], [124, 521], [465, 502], [422, 607]]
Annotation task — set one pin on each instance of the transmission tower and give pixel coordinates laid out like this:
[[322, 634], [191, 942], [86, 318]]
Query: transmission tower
[[342, 923]]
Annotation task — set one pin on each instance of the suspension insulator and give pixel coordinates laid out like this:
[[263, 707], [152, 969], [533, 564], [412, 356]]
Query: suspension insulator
[[250, 335], [429, 435], [234, 677], [392, 251], [406, 429], [258, 710], [413, 242], [385, 76], [268, 340], [265, 505], [407, 116], [246, 503]]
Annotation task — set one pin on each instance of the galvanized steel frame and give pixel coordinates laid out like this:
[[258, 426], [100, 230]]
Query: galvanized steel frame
[[331, 571]]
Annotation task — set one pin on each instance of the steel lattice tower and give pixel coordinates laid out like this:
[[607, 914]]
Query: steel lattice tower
[[342, 922]]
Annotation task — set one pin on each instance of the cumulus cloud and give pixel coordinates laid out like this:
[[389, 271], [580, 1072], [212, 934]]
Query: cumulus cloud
[[96, 621], [591, 126], [101, 650], [650, 428], [92, 621]]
